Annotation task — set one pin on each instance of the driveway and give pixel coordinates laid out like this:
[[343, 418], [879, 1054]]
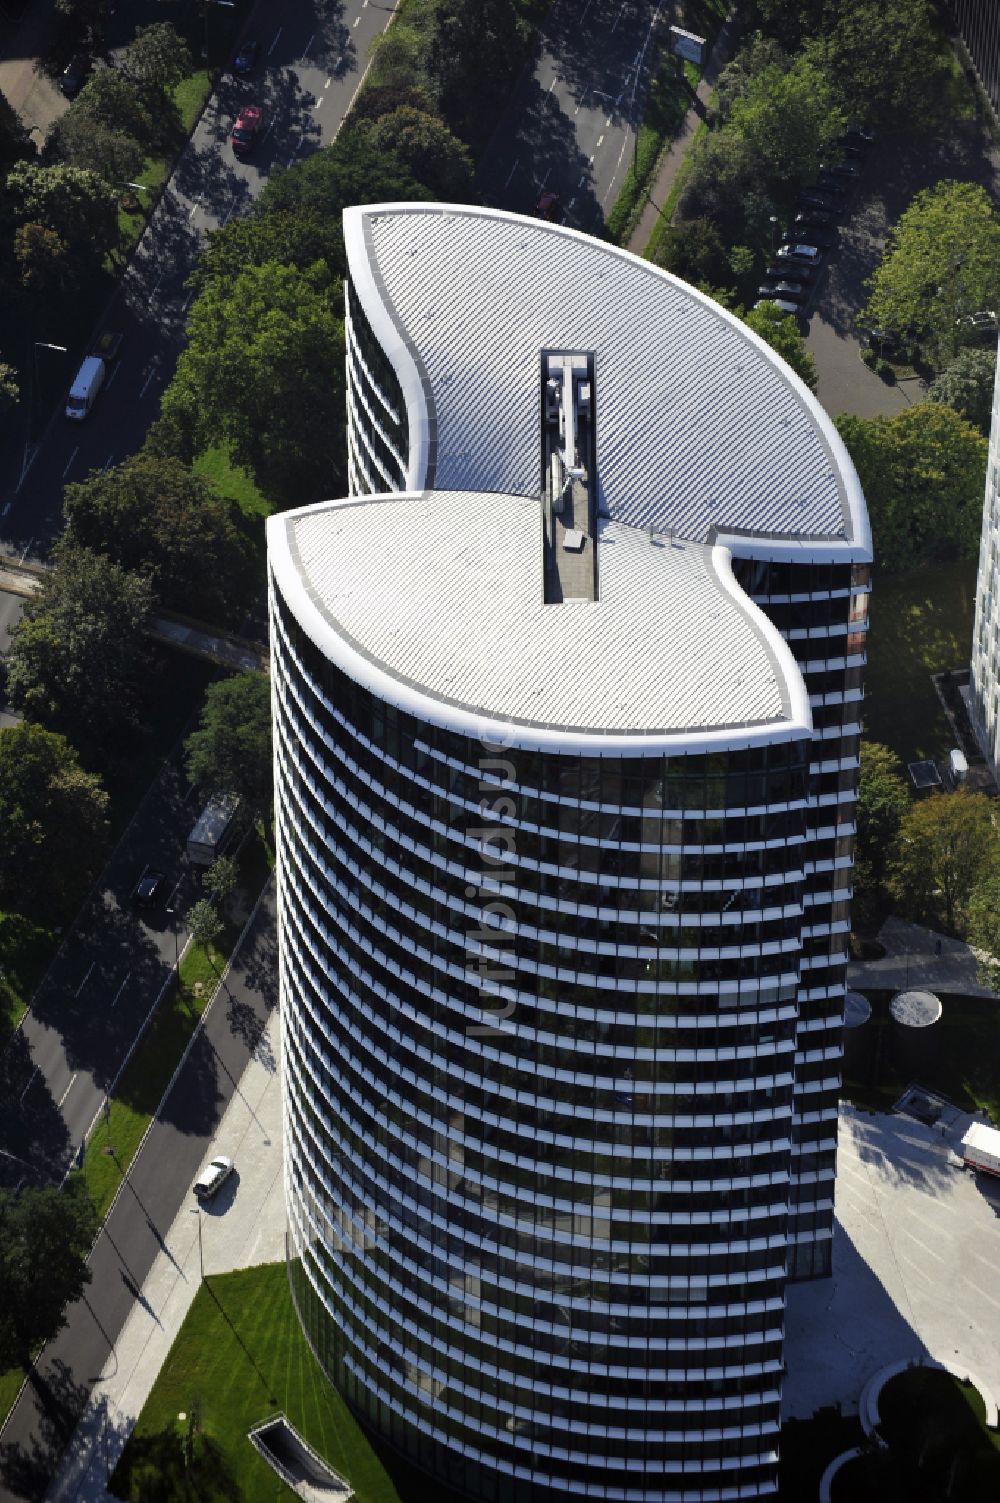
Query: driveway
[[899, 167]]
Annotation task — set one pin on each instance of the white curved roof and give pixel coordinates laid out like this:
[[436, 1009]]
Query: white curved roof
[[435, 602], [701, 428]]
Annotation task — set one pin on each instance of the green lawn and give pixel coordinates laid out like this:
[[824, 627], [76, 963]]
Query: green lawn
[[921, 623], [669, 100], [239, 1357], [216, 466], [189, 97], [26, 948], [964, 1065]]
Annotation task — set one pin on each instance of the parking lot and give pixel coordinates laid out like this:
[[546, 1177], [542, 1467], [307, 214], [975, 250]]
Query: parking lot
[[916, 1253]]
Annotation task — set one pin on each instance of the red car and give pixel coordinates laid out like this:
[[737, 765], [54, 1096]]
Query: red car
[[549, 206], [247, 129]]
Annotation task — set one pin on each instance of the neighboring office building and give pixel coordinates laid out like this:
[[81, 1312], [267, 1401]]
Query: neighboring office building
[[565, 846], [978, 24], [984, 686]]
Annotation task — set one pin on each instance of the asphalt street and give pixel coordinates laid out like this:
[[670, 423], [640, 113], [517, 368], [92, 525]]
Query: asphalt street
[[314, 53], [570, 124], [158, 1182], [106, 977]]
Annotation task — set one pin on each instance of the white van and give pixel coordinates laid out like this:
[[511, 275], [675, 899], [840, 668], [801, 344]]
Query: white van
[[83, 392]]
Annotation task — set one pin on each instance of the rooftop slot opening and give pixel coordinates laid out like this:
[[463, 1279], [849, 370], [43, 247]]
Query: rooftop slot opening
[[569, 476]]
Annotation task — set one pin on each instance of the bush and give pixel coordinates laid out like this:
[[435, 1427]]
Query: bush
[[869, 358], [887, 372]]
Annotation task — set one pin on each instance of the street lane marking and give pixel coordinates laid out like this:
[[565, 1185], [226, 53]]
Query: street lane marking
[[28, 1086], [357, 20], [266, 134], [512, 171], [107, 384], [305, 50], [28, 544], [65, 1093], [143, 388], [328, 82], [107, 462], [5, 510], [195, 207], [122, 987], [551, 86], [600, 143], [83, 983], [319, 104], [614, 26], [585, 9], [69, 462], [275, 42]]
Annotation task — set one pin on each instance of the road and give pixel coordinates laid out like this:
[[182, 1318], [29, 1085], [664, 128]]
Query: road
[[314, 53], [99, 989], [570, 124], [161, 1176]]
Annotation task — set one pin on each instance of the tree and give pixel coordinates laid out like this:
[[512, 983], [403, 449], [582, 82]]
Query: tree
[[923, 472], [45, 1236], [114, 101], [264, 372], [53, 820], [155, 60], [76, 204], [942, 261], [883, 800], [966, 386], [204, 924], [781, 332], [221, 880], [230, 752], [885, 58], [78, 657], [693, 249], [10, 391], [735, 80], [82, 140], [153, 514], [463, 30], [983, 924], [43, 258], [93, 14], [789, 116], [427, 149], [727, 183], [941, 850]]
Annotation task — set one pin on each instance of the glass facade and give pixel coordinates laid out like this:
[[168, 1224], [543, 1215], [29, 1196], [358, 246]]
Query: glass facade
[[561, 1038], [984, 697], [978, 24]]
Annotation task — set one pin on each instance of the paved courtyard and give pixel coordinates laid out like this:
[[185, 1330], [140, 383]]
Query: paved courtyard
[[916, 1255]]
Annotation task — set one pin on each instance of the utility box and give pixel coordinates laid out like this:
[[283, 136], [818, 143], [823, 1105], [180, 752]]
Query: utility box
[[214, 829]]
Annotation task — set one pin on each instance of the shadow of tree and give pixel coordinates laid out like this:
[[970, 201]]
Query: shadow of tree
[[26, 1469], [168, 1465], [247, 1025]]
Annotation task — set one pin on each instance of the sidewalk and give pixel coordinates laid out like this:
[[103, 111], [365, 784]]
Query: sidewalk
[[243, 1226], [660, 190], [912, 960]]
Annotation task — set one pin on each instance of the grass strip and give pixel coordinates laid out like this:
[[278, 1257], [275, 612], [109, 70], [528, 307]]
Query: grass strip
[[136, 207], [670, 96], [239, 1357], [115, 1139]]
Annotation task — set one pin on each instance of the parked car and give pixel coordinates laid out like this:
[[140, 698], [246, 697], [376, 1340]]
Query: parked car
[[804, 227], [783, 271], [549, 206], [799, 251], [245, 60], [214, 1174], [247, 128], [983, 322], [790, 292], [818, 198], [73, 76], [860, 137], [782, 304], [831, 185], [148, 888], [848, 170]]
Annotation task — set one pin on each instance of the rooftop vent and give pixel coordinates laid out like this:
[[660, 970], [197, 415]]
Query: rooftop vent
[[569, 488]]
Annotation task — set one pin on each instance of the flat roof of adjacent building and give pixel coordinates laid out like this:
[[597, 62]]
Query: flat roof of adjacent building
[[701, 428], [435, 601]]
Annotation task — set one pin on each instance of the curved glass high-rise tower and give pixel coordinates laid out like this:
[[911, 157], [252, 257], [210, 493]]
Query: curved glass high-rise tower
[[565, 826]]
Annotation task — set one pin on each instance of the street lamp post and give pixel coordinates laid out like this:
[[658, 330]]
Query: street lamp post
[[774, 231], [33, 382], [196, 1211]]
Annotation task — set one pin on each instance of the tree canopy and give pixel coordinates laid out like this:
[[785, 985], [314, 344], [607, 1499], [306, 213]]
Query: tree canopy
[[151, 513], [45, 1236], [78, 656], [942, 262], [789, 116], [966, 385], [781, 331], [73, 202], [263, 372], [940, 853], [53, 820], [155, 60], [883, 800], [427, 149], [230, 752], [923, 472]]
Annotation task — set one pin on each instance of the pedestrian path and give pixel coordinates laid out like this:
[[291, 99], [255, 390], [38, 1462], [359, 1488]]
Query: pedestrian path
[[244, 1226], [658, 194], [919, 957]]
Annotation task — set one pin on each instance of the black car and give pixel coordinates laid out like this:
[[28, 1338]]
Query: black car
[[833, 187], [148, 888], [804, 227], [848, 170], [859, 138], [818, 198], [779, 273], [245, 60], [783, 292], [73, 76]]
